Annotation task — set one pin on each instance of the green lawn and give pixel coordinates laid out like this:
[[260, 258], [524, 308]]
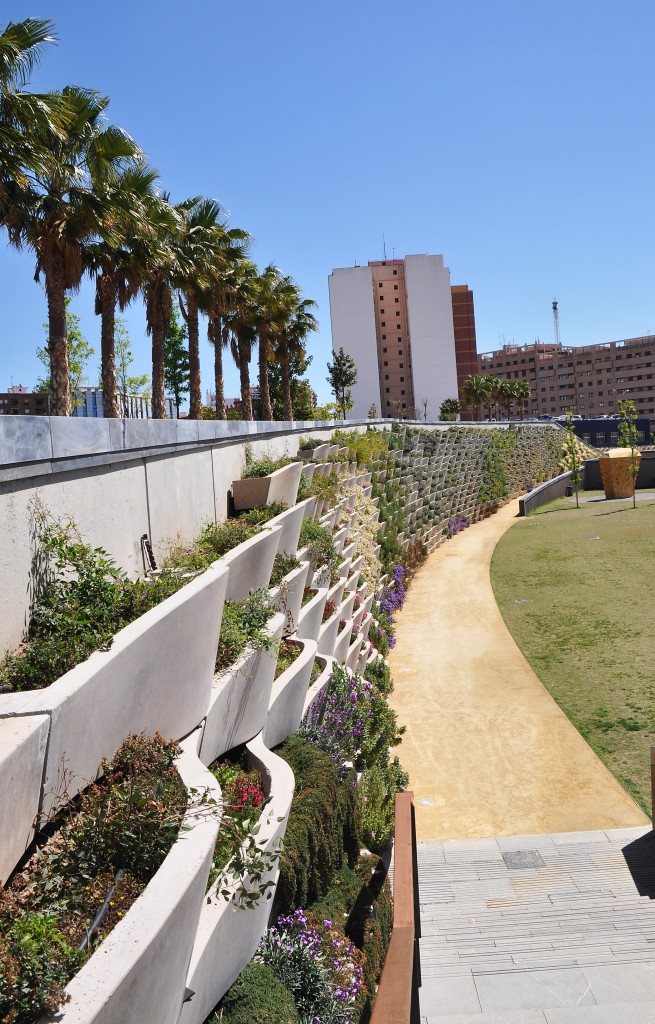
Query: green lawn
[[583, 614]]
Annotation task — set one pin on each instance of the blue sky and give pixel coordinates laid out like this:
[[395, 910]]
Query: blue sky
[[514, 138]]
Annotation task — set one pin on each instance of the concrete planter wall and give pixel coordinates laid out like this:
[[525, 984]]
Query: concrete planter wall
[[285, 708], [289, 593], [258, 491], [290, 523], [251, 563], [151, 680], [22, 758], [228, 937], [311, 615], [321, 683], [139, 972], [240, 698]]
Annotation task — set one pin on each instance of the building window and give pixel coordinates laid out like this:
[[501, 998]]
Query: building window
[[395, 273], [382, 311], [402, 380], [396, 300], [395, 287], [386, 376], [384, 338], [398, 312], [401, 366], [383, 324], [386, 362], [600, 438], [386, 391], [380, 284], [402, 391]]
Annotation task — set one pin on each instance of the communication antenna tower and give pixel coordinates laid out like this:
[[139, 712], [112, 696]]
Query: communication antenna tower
[[556, 321]]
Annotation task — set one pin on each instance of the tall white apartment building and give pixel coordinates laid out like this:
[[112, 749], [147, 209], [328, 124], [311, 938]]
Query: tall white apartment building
[[395, 318]]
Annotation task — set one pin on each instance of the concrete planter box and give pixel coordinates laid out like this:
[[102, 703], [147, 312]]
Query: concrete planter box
[[316, 454], [340, 538], [352, 657], [290, 523], [22, 758], [251, 563], [288, 595], [258, 491], [321, 683], [240, 698], [227, 937], [355, 569], [327, 636], [615, 472], [285, 708], [343, 642], [139, 972], [151, 679], [311, 615], [308, 471]]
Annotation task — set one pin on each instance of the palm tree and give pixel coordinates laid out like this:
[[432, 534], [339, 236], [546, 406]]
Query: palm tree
[[240, 322], [231, 245], [290, 342], [25, 117], [522, 393], [58, 210], [475, 393], [111, 259], [198, 218]]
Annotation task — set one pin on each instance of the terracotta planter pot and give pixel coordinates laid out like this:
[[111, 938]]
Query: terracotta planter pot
[[618, 481]]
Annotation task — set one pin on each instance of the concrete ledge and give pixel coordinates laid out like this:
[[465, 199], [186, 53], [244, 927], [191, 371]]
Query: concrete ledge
[[22, 758], [321, 684], [289, 593], [251, 563], [555, 488], [311, 616]]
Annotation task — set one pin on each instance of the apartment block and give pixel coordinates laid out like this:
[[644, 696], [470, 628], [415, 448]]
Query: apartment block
[[587, 380], [411, 335]]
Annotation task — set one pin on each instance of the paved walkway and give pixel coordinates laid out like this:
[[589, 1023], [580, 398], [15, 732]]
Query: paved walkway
[[547, 929], [488, 751]]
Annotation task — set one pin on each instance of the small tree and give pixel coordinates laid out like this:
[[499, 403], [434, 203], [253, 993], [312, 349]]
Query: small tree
[[372, 411], [450, 409], [628, 439], [79, 353], [176, 360], [572, 455], [342, 375], [424, 403], [126, 383]]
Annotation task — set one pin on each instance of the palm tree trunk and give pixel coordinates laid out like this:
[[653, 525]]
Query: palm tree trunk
[[60, 390], [107, 295], [195, 394], [286, 386], [264, 391], [215, 335], [244, 377], [159, 327]]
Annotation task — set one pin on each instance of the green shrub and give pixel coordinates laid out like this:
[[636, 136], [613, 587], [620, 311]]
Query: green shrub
[[257, 997], [36, 963], [378, 787], [243, 626], [379, 673], [321, 548], [323, 825], [264, 467], [282, 566]]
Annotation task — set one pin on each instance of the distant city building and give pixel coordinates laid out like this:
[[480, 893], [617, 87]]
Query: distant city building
[[411, 334], [18, 401], [89, 402], [588, 379]]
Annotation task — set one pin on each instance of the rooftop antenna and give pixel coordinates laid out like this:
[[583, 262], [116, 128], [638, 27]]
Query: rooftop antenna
[[556, 321], [384, 247], [393, 253]]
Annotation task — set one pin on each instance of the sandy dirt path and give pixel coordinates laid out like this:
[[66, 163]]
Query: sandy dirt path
[[488, 751]]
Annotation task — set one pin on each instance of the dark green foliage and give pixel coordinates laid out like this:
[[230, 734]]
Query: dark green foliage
[[264, 466], [282, 566], [36, 963], [176, 360], [244, 626], [323, 826], [379, 673], [257, 997], [495, 465]]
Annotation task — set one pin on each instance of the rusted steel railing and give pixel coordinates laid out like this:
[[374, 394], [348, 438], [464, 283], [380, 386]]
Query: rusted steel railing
[[396, 1001]]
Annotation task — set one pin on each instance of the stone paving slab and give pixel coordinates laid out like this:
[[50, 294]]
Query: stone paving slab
[[574, 937]]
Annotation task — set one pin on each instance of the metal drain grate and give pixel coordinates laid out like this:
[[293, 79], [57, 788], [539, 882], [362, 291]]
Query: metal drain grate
[[516, 859]]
